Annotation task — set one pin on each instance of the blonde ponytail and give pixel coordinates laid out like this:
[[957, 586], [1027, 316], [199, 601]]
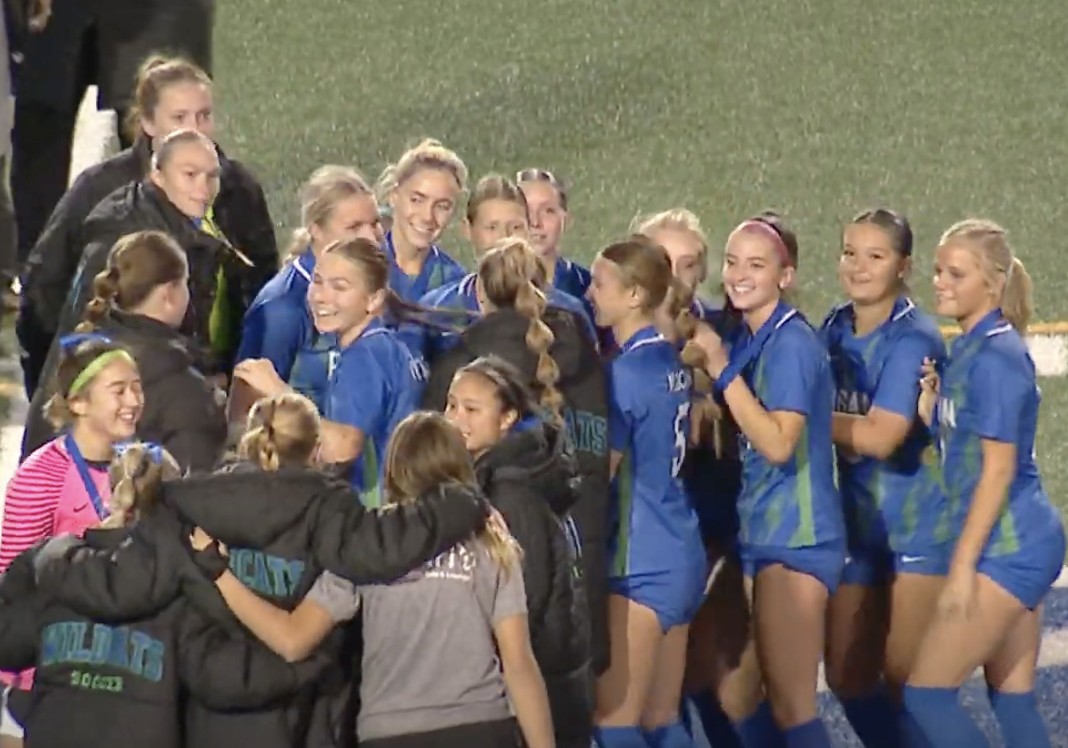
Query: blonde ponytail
[[1017, 302], [136, 474], [281, 430]]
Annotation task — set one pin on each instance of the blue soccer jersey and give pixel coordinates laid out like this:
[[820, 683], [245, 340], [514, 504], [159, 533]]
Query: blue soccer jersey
[[989, 392], [375, 382], [656, 526], [896, 504], [278, 327], [795, 504], [462, 296], [439, 269], [574, 280]]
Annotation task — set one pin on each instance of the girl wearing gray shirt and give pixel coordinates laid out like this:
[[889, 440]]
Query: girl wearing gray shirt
[[447, 659]]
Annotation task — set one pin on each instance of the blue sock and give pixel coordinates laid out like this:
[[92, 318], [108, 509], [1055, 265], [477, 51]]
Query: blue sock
[[708, 725], [874, 720], [619, 737], [1021, 724], [759, 730], [942, 720], [669, 736], [812, 734]]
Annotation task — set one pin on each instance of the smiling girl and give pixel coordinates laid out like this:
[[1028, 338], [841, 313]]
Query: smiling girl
[[896, 512], [422, 189], [63, 486], [777, 383], [374, 380], [1010, 540], [336, 206]]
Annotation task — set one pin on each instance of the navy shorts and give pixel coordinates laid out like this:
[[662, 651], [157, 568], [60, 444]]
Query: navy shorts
[[1029, 573], [674, 596], [878, 567], [824, 562]]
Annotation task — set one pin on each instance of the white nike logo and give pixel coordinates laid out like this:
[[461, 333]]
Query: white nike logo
[[912, 559]]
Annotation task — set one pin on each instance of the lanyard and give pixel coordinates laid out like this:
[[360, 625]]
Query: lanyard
[[87, 479]]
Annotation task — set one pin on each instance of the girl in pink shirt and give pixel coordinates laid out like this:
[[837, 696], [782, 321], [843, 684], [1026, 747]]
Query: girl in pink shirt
[[63, 486]]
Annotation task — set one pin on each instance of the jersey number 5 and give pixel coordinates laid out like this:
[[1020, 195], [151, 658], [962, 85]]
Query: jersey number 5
[[681, 432]]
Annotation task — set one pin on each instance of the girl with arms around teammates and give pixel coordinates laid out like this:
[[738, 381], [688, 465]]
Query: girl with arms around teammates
[[374, 381], [777, 383], [139, 300], [657, 559], [524, 467], [170, 94], [99, 684], [553, 354], [896, 513], [1010, 540], [422, 190], [336, 205]]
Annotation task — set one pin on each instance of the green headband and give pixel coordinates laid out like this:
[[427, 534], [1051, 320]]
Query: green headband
[[96, 366]]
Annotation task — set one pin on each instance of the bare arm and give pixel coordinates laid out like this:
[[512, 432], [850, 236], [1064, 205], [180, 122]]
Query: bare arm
[[774, 434], [877, 434], [523, 679], [341, 443]]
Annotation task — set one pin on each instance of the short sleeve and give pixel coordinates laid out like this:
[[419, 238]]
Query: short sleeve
[[621, 408], [899, 382], [1000, 392], [791, 373], [511, 596], [337, 596], [357, 394]]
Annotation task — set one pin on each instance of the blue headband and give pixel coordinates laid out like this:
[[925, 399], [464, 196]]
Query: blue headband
[[75, 339]]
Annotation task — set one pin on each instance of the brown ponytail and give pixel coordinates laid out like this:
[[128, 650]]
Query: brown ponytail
[[511, 277], [282, 430], [136, 475]]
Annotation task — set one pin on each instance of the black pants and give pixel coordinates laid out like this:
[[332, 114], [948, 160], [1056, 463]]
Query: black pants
[[41, 142], [503, 734]]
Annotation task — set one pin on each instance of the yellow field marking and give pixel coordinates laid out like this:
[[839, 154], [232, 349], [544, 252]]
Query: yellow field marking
[[1035, 328]]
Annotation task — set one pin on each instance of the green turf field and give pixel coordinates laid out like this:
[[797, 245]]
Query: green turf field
[[814, 107]]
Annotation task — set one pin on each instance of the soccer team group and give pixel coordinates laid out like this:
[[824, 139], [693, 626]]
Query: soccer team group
[[364, 495]]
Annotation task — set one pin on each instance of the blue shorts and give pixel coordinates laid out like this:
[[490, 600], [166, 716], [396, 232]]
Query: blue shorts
[[879, 567], [824, 562], [674, 596], [1029, 573]]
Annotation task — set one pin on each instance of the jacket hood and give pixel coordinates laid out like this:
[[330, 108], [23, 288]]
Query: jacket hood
[[538, 457], [503, 333], [243, 505], [160, 350]]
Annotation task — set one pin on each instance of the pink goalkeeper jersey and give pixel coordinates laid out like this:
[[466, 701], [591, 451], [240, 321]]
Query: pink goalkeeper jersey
[[46, 497]]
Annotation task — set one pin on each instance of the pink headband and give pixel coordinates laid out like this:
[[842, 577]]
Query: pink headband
[[769, 231]]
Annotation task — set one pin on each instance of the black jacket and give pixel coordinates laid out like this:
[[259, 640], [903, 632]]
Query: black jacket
[[181, 409], [583, 385], [57, 58], [530, 477], [124, 682], [282, 528], [240, 211]]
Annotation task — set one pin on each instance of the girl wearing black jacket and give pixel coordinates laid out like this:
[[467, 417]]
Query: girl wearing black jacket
[[559, 362], [283, 523], [139, 301], [108, 683], [175, 199], [171, 94], [525, 468]]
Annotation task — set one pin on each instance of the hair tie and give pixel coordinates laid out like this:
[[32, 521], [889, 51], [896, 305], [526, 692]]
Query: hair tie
[[75, 339], [153, 450], [765, 228]]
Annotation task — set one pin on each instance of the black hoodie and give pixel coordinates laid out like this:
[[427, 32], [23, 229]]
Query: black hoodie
[[124, 682], [181, 412], [282, 528], [240, 211], [583, 386], [530, 477]]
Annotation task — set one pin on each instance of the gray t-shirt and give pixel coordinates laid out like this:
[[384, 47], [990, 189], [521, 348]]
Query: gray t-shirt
[[430, 658]]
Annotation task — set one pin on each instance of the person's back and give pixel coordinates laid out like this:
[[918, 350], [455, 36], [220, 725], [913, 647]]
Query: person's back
[[448, 608]]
